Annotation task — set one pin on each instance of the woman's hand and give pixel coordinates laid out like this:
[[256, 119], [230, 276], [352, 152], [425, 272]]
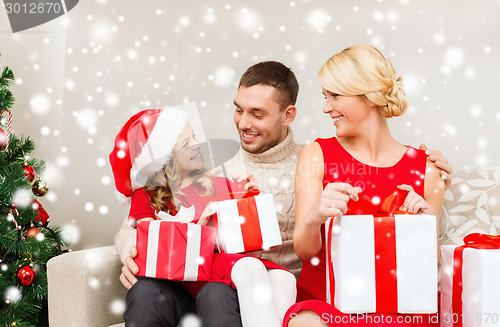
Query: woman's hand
[[333, 201], [414, 203], [251, 181], [210, 209]]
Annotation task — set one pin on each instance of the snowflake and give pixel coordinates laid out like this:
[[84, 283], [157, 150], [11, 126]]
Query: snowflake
[[86, 118], [40, 104], [223, 76], [248, 20], [22, 197], [318, 19], [70, 234], [454, 57], [103, 210], [210, 16], [12, 294], [190, 320], [117, 307]]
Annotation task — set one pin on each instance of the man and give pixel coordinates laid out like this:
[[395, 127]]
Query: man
[[264, 109]]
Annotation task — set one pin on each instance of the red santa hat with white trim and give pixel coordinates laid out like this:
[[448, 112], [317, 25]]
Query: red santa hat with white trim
[[144, 145]]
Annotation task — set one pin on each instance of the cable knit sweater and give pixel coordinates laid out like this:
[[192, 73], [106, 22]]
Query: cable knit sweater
[[274, 170]]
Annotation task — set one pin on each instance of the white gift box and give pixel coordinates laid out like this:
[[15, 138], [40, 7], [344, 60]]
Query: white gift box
[[353, 262], [481, 287], [239, 232]]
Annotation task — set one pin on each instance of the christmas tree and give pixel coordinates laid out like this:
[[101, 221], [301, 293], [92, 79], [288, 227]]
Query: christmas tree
[[26, 241]]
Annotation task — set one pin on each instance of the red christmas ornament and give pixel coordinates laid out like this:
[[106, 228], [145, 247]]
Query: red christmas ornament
[[29, 172], [25, 275], [3, 138], [41, 215], [33, 232]]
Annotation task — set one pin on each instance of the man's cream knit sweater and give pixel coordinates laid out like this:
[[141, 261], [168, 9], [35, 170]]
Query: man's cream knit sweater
[[274, 170]]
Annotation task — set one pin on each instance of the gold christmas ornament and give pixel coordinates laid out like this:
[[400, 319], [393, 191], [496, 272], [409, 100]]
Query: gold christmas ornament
[[40, 188]]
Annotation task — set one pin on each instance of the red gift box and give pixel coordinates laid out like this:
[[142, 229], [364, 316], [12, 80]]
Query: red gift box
[[175, 251], [247, 224]]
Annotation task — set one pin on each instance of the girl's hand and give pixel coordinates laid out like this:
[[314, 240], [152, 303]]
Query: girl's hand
[[210, 209], [333, 201], [251, 181], [414, 203]]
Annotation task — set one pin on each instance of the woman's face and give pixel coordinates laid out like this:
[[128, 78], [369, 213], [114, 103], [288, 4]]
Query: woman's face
[[187, 152], [348, 113]]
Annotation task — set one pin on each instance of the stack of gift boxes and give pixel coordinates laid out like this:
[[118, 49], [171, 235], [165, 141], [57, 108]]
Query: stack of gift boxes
[[184, 251], [386, 261], [378, 261]]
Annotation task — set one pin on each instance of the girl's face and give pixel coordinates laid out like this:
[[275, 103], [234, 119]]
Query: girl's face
[[187, 152], [347, 112]]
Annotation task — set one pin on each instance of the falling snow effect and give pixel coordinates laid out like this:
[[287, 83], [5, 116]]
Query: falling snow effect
[[12, 294], [190, 321], [72, 96]]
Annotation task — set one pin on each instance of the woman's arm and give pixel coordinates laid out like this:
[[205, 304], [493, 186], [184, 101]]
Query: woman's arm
[[314, 205], [434, 193], [308, 188], [433, 188]]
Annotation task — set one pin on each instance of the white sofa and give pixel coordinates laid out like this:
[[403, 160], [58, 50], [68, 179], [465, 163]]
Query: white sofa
[[84, 289]]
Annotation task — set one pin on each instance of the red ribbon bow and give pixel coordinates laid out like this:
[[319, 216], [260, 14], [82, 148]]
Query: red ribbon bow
[[473, 241], [389, 206], [386, 285]]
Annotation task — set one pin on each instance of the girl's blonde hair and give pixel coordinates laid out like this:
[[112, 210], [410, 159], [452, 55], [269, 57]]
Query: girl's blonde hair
[[363, 70], [164, 193]]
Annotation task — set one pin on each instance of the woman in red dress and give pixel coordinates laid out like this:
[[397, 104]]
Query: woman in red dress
[[361, 90]]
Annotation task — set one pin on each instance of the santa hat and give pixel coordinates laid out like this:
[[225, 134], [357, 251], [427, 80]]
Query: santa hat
[[144, 145]]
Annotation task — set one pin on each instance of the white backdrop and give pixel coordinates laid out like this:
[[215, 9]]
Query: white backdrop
[[82, 75]]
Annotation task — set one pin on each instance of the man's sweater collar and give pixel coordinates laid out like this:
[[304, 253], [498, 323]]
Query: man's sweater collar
[[276, 153]]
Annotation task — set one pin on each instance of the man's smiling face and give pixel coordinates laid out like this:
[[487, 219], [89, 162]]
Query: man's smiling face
[[259, 118]]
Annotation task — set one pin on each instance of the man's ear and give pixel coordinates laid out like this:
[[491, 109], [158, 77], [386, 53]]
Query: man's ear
[[289, 113]]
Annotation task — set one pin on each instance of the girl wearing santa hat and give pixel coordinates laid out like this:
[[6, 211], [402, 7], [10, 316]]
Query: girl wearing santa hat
[[158, 164]]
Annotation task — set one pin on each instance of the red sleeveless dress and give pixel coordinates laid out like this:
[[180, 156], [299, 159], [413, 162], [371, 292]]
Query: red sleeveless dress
[[340, 166]]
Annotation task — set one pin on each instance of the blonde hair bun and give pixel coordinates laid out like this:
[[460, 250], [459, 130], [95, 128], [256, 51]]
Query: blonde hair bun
[[363, 70]]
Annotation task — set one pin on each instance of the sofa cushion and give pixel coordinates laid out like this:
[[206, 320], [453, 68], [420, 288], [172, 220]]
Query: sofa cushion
[[471, 205]]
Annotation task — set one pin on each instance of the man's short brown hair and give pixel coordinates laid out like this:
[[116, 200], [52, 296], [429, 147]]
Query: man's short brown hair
[[274, 74]]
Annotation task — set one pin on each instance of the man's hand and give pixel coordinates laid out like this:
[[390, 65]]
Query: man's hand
[[129, 270], [250, 181], [441, 162]]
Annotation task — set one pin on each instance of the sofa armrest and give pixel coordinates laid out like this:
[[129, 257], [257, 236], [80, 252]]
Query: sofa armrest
[[84, 288]]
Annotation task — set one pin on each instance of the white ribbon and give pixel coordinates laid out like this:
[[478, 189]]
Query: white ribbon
[[192, 252], [152, 254], [184, 215]]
